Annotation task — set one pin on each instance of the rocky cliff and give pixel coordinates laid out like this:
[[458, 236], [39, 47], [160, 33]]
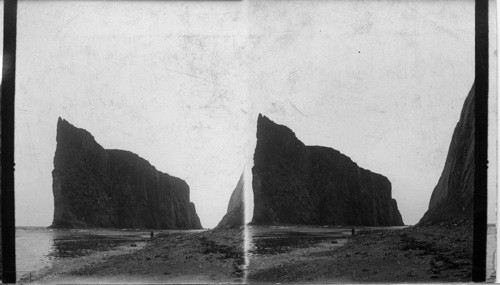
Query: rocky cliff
[[235, 215], [95, 187], [298, 184], [453, 195]]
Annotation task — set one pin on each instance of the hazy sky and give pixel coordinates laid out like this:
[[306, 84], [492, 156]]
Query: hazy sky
[[181, 83], [162, 79], [381, 81]]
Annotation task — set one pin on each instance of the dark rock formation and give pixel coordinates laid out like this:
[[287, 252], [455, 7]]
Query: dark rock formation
[[95, 187], [235, 215], [453, 196], [298, 184]]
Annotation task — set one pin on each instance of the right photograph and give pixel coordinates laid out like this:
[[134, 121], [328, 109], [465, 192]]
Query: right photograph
[[362, 165]]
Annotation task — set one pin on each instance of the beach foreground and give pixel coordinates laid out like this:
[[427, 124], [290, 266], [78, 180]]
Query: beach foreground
[[415, 254], [282, 254], [202, 257]]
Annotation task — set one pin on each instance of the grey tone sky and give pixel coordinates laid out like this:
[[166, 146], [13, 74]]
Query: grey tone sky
[[181, 83]]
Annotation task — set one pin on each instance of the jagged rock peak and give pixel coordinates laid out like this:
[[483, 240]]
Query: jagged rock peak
[[235, 215]]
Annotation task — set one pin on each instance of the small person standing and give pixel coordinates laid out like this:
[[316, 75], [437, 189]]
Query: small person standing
[[352, 231], [152, 235]]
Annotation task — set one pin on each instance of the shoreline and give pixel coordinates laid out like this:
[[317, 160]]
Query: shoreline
[[63, 267], [290, 255], [199, 257]]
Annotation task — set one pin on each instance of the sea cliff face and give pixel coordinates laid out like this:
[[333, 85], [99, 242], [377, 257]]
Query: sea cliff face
[[453, 196], [298, 184], [236, 209], [95, 187]]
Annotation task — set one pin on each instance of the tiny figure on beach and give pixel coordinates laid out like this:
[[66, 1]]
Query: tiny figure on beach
[[152, 235], [352, 231]]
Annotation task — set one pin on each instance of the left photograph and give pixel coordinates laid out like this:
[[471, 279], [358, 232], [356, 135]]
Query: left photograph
[[131, 125]]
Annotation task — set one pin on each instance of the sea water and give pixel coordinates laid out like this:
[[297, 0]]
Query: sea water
[[491, 247], [32, 248]]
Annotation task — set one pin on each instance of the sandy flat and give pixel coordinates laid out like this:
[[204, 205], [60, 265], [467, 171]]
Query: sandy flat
[[418, 254], [206, 257]]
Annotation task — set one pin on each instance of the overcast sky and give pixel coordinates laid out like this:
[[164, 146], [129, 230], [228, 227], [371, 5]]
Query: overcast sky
[[181, 83]]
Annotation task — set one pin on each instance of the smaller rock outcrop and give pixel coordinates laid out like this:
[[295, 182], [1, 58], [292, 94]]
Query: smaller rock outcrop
[[235, 215]]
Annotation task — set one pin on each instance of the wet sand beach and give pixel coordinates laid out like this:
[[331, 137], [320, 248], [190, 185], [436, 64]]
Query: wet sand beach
[[196, 257], [415, 254], [60, 270], [43, 251], [279, 254], [273, 247]]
